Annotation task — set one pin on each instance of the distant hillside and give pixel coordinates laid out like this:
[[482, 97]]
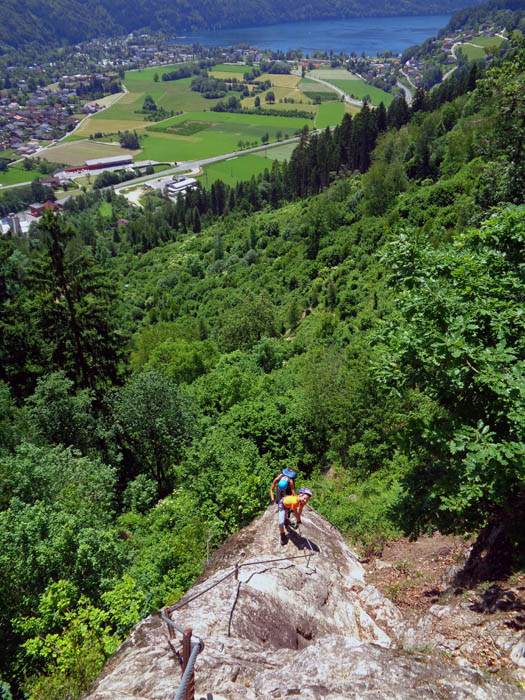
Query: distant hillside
[[504, 13], [71, 21]]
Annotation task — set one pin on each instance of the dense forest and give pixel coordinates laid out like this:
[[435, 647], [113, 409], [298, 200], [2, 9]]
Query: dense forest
[[71, 21], [357, 317]]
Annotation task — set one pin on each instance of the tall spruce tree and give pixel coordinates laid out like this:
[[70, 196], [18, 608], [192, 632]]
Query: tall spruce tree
[[72, 307]]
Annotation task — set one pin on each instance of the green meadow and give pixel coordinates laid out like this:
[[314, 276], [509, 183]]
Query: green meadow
[[329, 114], [16, 174], [236, 169], [473, 53]]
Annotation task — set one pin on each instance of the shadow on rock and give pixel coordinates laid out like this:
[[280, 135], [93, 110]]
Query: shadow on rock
[[301, 542]]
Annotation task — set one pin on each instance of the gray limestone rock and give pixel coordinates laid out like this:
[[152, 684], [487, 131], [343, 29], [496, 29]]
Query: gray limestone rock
[[297, 622]]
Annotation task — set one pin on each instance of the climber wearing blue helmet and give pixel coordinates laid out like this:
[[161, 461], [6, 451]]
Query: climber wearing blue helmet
[[283, 484]]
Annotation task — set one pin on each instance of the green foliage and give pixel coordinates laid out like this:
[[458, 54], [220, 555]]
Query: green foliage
[[153, 419], [246, 323], [56, 414], [70, 639], [72, 309], [229, 478], [183, 361], [457, 337]]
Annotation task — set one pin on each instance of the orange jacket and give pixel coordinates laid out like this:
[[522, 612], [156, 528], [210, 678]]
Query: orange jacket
[[292, 503]]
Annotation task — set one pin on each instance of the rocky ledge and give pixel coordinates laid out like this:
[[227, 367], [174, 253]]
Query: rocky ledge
[[298, 621]]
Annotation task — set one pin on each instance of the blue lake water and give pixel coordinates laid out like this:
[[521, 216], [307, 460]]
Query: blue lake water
[[368, 34]]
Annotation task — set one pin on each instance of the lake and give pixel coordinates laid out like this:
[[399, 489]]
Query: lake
[[368, 34]]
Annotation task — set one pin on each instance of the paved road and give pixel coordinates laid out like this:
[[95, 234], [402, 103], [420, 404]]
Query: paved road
[[408, 94]]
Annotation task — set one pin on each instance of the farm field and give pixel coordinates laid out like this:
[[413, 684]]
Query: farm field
[[329, 114], [352, 85], [76, 152], [358, 88], [105, 126], [236, 169], [331, 74], [206, 134], [281, 80], [238, 69], [351, 109], [171, 95]]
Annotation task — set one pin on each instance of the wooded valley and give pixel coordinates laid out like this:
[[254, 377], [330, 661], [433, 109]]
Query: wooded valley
[[356, 314]]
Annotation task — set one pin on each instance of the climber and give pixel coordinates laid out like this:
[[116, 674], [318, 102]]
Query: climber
[[284, 484], [295, 504]]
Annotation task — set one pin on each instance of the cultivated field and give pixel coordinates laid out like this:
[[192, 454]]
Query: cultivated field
[[107, 126], [307, 85], [236, 169], [283, 152], [205, 134], [358, 89], [76, 152], [331, 74], [353, 85], [236, 68]]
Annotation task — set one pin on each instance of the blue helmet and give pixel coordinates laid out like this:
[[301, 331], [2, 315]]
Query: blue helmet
[[290, 473], [306, 491]]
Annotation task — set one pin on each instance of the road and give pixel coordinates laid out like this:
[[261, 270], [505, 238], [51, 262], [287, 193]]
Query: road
[[408, 94]]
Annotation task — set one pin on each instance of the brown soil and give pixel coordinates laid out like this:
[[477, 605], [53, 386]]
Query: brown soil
[[418, 575]]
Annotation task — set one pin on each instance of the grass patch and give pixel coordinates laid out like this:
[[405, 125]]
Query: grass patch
[[16, 174], [105, 209], [473, 53], [486, 41], [329, 114]]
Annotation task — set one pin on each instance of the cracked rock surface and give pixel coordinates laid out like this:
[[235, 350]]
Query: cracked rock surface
[[299, 621]]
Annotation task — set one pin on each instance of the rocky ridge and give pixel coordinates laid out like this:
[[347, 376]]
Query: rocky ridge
[[306, 627]]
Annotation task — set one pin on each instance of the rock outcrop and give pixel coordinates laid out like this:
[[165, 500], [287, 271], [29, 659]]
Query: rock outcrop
[[299, 621]]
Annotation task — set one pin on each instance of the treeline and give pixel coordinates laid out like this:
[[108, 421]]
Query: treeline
[[187, 71], [233, 104]]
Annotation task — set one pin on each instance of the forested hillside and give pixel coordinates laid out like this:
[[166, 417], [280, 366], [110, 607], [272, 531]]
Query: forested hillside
[[358, 318], [71, 21]]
